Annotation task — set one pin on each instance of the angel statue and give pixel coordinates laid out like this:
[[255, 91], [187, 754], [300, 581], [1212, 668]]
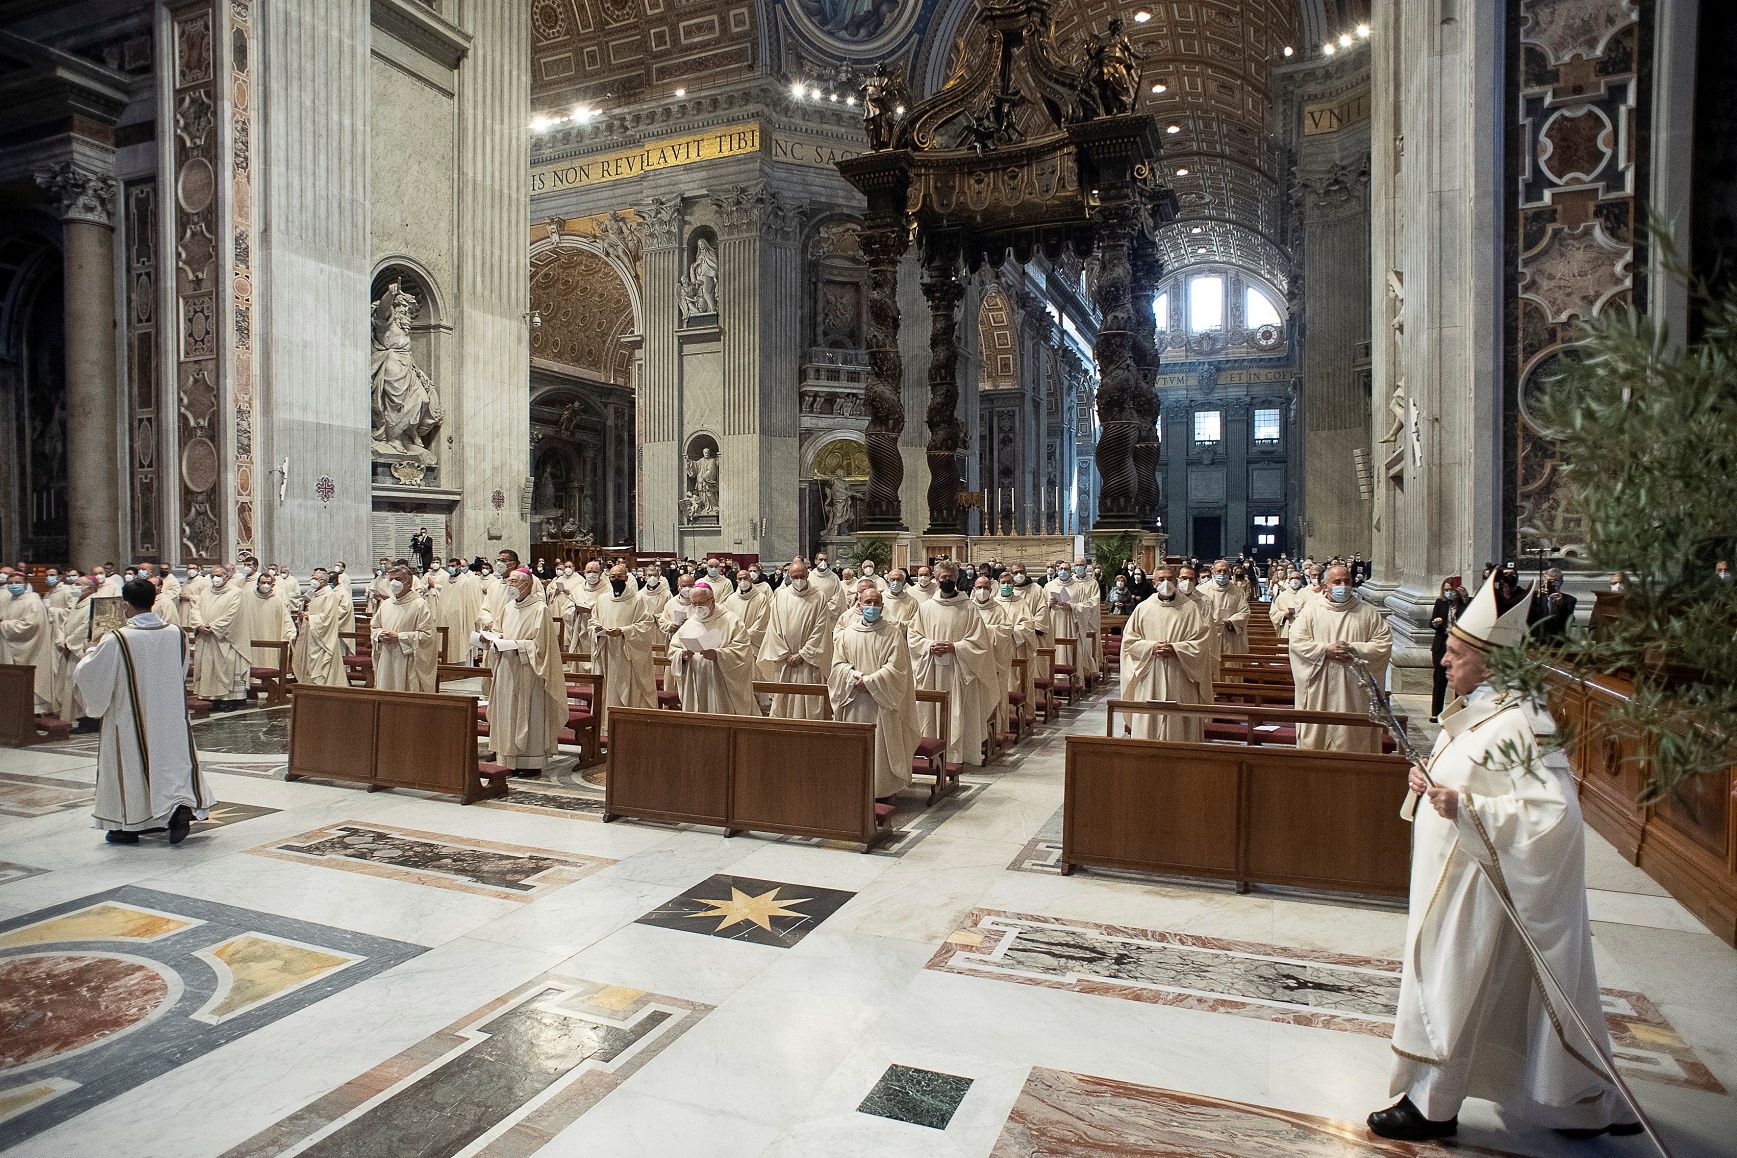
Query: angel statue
[[884, 98], [406, 405], [1113, 71]]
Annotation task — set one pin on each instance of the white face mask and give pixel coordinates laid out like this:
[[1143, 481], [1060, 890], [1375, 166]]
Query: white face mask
[[980, 594], [396, 586], [1297, 584], [703, 613], [868, 568], [1166, 589], [744, 586], [219, 580], [500, 567], [799, 584], [820, 564], [925, 581], [1186, 586], [592, 578]]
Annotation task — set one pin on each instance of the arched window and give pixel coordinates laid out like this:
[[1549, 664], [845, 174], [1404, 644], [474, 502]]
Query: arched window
[[1205, 303], [1259, 310], [1161, 310]]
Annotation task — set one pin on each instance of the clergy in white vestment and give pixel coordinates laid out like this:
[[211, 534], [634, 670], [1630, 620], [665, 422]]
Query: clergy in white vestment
[[675, 611], [655, 590], [71, 626], [709, 658], [108, 582], [824, 580], [134, 678], [288, 589], [578, 632], [1088, 605], [1476, 1019], [1188, 587], [528, 697], [59, 593], [798, 644], [319, 652], [377, 591], [1227, 604], [950, 652], [1028, 635], [751, 602], [265, 619], [872, 573], [1164, 657], [497, 591], [406, 649], [455, 608], [627, 638], [168, 606], [1328, 634], [999, 623], [1288, 601], [871, 684], [898, 601], [27, 637]]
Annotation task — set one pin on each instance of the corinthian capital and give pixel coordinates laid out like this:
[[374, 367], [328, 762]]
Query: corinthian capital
[[81, 191]]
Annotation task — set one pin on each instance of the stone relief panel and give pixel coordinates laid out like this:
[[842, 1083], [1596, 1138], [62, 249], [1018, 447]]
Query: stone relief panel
[[140, 311], [1575, 212], [587, 314], [239, 24]]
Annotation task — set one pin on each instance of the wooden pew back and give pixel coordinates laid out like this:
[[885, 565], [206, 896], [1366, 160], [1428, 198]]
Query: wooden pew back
[[743, 773], [422, 740], [17, 705]]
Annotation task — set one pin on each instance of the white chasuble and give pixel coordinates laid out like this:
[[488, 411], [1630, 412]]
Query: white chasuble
[[998, 622], [1146, 675], [1228, 607], [407, 665], [134, 678], [71, 640], [754, 610], [1474, 1019], [27, 639], [219, 663], [966, 673], [801, 624], [1324, 684], [319, 654], [266, 619], [625, 660], [528, 696], [723, 684], [880, 656]]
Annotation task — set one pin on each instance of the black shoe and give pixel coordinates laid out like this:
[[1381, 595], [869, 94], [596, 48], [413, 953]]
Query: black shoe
[[179, 823], [116, 836], [1404, 1122], [526, 773], [1621, 1130]]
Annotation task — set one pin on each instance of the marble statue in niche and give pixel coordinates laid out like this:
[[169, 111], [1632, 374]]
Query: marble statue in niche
[[406, 404], [843, 501], [701, 501], [1396, 406], [698, 291]]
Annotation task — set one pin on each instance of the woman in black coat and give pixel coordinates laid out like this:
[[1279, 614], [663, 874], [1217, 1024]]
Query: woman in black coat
[[1448, 607]]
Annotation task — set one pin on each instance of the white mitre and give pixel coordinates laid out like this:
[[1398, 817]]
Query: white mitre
[[1481, 626]]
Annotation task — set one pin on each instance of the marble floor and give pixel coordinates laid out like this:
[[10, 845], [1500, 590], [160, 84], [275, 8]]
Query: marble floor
[[322, 971]]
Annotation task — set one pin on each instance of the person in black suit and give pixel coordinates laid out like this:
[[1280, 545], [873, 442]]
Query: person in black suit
[[422, 548], [1441, 617], [1551, 612]]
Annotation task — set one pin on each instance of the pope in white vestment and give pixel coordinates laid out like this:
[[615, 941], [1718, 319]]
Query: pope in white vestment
[[962, 666], [722, 681], [406, 650], [798, 644], [1327, 633], [528, 698], [134, 679], [1476, 1017], [871, 684], [319, 652], [27, 639], [1164, 657]]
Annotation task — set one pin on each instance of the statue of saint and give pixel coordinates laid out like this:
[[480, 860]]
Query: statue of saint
[[699, 286], [406, 405], [1113, 71], [841, 499], [702, 496], [884, 98]]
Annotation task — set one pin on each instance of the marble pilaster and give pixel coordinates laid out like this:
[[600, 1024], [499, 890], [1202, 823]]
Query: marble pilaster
[[660, 379]]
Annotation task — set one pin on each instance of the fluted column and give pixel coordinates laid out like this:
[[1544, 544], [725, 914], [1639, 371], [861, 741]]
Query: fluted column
[[1119, 402], [660, 377], [883, 243], [1146, 270], [84, 199], [944, 291]]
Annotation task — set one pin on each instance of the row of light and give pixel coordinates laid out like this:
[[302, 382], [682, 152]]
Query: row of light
[[1346, 40], [813, 92], [581, 115]]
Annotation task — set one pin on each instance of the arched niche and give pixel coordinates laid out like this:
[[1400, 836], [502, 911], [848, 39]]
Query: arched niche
[[431, 340]]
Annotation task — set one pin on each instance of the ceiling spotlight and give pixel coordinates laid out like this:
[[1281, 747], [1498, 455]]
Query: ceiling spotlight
[[1344, 40], [1363, 32], [1157, 88], [851, 101], [1142, 16], [1173, 129], [796, 90], [832, 96], [1328, 48], [1197, 229], [1202, 249], [680, 93], [1182, 172], [1289, 51]]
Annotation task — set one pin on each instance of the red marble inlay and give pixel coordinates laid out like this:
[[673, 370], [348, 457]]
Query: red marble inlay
[[55, 1003]]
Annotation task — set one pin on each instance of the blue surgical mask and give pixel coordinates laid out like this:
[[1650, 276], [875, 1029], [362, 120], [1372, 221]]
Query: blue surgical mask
[[1339, 592], [871, 614], [452, 572], [1079, 572], [1221, 580], [53, 580], [15, 589], [1007, 590], [895, 585]]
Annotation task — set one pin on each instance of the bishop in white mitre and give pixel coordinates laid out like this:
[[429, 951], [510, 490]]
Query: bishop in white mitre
[[951, 652], [1329, 633], [798, 644], [1164, 657], [710, 659], [148, 776], [1475, 1018], [871, 684]]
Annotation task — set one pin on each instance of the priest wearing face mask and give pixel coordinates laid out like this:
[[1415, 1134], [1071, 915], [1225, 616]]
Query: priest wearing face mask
[[1474, 1018], [898, 602], [455, 608], [1287, 601], [577, 617], [871, 684], [1166, 656], [1028, 632], [999, 622], [751, 602], [1188, 587], [1227, 605], [923, 582], [655, 590], [1088, 605], [58, 594], [264, 620], [405, 645], [825, 580], [219, 663], [710, 658], [497, 592], [27, 637], [528, 695], [798, 644], [71, 626], [627, 637], [1327, 635], [319, 653], [951, 652], [872, 572]]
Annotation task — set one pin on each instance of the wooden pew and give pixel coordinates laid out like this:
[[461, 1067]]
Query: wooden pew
[[386, 739], [19, 724], [271, 680], [1260, 695], [744, 773], [1244, 813], [814, 691], [930, 758], [1257, 725]]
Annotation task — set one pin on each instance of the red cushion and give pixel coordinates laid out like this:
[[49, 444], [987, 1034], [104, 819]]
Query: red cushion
[[575, 717], [1043, 683], [668, 700], [1016, 698], [492, 770], [262, 672], [1063, 669], [921, 767], [929, 747], [1225, 730], [883, 813]]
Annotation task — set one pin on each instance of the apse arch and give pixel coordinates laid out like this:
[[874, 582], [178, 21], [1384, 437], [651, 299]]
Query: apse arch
[[558, 239], [583, 313]]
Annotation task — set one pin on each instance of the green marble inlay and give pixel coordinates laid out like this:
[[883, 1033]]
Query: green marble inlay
[[920, 1097]]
